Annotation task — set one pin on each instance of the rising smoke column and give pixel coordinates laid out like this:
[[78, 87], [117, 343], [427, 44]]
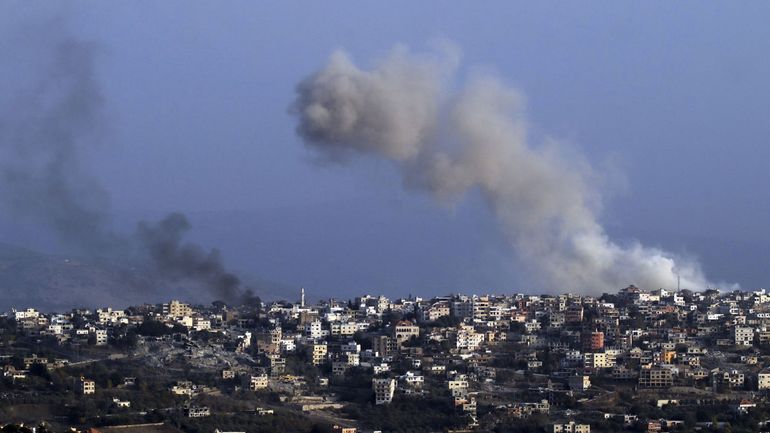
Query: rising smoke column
[[448, 143], [49, 113], [42, 127], [180, 261]]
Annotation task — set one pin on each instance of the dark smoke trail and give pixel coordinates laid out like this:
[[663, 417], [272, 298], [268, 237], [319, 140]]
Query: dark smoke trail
[[53, 113], [179, 261], [41, 130]]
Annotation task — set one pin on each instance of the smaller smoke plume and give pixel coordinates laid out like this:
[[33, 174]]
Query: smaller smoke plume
[[449, 143], [178, 261], [42, 128], [45, 123]]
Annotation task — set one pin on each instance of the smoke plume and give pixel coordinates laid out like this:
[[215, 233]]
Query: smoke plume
[[42, 127], [450, 142], [186, 261], [48, 115]]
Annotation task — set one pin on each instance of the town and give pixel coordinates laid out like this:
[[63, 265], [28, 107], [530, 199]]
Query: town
[[637, 360]]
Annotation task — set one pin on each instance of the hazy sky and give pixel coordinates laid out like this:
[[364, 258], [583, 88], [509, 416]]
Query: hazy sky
[[670, 98]]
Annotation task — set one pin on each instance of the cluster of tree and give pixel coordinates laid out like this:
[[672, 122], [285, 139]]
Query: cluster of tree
[[533, 424], [154, 328], [280, 422], [17, 428], [299, 364], [407, 414], [354, 386]]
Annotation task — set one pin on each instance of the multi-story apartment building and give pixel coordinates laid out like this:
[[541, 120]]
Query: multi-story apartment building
[[176, 309], [100, 337], [318, 353], [436, 311], [343, 329], [656, 377], [727, 379], [571, 427], [597, 360], [258, 382], [384, 388], [743, 336], [384, 346], [763, 379], [86, 386], [462, 309], [574, 314], [592, 341], [314, 330], [480, 307], [467, 338]]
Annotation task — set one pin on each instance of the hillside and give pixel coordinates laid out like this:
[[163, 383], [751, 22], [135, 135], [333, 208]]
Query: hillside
[[57, 283], [50, 282]]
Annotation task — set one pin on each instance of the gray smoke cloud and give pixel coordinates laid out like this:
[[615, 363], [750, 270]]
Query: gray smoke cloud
[[476, 138], [49, 113]]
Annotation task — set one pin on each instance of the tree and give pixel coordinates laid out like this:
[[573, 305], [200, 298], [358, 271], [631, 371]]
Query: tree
[[153, 328], [41, 370]]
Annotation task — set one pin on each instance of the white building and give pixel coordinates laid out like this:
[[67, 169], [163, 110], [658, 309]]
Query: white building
[[198, 412], [339, 328], [313, 330], [87, 387], [258, 382], [318, 353], [571, 427], [29, 313]]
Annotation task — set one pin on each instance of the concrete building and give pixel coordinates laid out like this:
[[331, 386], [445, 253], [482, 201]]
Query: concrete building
[[318, 353], [405, 330], [462, 309], [258, 382], [198, 411], [571, 427], [743, 336], [655, 377], [384, 346], [579, 383], [313, 330], [383, 390], [101, 337], [86, 387], [763, 379], [593, 341], [176, 309], [727, 379]]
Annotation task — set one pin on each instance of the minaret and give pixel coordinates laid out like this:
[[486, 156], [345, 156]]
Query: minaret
[[302, 297]]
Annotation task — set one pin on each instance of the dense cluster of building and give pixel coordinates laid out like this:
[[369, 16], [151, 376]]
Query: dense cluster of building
[[491, 358]]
